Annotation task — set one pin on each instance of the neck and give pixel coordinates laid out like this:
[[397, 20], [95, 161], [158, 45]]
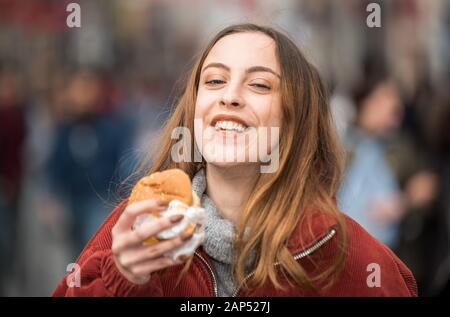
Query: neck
[[229, 188]]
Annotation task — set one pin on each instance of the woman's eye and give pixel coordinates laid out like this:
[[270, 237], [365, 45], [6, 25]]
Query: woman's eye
[[260, 86], [214, 82]]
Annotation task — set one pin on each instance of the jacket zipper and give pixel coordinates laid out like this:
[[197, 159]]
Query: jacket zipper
[[211, 273], [297, 256]]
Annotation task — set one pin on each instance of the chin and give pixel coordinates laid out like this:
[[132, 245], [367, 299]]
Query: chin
[[230, 165], [230, 155]]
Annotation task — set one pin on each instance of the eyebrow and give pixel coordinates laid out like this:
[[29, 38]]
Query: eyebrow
[[252, 69]]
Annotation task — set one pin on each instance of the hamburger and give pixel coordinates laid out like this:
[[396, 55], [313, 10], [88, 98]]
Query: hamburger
[[174, 188]]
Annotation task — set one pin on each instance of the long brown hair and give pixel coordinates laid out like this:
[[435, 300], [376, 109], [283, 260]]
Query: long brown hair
[[310, 166]]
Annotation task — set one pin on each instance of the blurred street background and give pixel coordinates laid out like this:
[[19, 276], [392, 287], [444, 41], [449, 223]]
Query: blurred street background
[[79, 107]]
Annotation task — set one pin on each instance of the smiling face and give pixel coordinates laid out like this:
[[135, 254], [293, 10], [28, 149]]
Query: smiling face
[[238, 98], [310, 157]]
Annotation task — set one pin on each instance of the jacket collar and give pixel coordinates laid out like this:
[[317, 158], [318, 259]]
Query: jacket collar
[[305, 235], [310, 230]]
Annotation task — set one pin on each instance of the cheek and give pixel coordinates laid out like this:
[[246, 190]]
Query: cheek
[[205, 100], [203, 105], [269, 112], [276, 117]]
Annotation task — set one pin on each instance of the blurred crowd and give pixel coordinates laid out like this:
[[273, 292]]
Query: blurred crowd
[[79, 107]]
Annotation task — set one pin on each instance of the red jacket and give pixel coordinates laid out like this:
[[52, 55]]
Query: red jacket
[[100, 277]]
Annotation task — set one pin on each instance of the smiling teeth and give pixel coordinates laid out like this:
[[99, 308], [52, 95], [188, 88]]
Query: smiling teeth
[[229, 125]]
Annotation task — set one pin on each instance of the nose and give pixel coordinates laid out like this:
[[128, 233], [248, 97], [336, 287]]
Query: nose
[[232, 97]]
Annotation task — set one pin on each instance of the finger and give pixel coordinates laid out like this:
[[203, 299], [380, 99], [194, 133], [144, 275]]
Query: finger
[[143, 253], [150, 266], [133, 238], [128, 216]]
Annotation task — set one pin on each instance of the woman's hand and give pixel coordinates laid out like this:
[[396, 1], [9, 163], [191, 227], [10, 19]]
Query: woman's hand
[[133, 259]]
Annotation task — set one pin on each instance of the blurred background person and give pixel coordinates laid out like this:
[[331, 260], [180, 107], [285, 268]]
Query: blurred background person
[[12, 139], [426, 229], [89, 141], [370, 192]]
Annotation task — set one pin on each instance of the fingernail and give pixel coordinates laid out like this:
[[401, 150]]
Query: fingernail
[[161, 203], [186, 236], [176, 218]]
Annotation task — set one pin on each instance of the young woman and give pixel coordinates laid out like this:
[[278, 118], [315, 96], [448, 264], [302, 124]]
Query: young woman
[[276, 233]]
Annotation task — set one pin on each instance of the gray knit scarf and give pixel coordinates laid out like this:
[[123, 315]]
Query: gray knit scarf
[[219, 232], [219, 238]]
